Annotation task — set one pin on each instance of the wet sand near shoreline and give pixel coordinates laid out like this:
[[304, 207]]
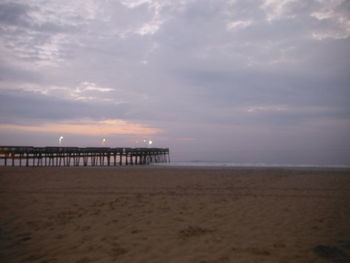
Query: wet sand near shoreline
[[156, 214]]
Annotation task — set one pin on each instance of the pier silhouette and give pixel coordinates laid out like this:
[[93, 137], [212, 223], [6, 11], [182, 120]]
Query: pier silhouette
[[78, 156]]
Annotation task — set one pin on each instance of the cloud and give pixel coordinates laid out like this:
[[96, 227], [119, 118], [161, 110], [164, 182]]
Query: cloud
[[86, 127], [276, 9], [238, 24], [13, 13], [24, 106], [86, 91], [149, 28], [334, 20], [135, 3]]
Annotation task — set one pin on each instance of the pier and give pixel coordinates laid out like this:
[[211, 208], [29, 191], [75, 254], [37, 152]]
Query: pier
[[77, 156]]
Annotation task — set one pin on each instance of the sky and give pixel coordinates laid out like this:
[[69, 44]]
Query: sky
[[242, 81]]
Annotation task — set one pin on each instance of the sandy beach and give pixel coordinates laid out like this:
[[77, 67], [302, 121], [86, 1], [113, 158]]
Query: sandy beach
[[155, 214]]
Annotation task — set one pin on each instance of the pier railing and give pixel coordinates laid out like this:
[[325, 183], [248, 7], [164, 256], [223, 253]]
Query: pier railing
[[77, 156]]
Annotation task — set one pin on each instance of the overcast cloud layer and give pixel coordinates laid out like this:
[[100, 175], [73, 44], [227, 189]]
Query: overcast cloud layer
[[243, 81]]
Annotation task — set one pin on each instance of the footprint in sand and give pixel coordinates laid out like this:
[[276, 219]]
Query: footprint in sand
[[260, 252], [135, 231], [193, 231], [344, 244], [279, 245], [83, 260], [24, 237], [117, 251], [252, 250], [85, 228]]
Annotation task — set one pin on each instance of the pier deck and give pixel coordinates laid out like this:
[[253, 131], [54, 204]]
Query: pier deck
[[77, 156]]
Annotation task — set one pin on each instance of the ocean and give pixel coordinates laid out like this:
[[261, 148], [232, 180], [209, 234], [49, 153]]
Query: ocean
[[233, 164]]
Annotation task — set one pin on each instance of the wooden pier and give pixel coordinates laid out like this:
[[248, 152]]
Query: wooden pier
[[77, 156]]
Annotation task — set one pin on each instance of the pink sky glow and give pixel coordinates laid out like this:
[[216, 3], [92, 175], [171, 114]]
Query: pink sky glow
[[87, 127]]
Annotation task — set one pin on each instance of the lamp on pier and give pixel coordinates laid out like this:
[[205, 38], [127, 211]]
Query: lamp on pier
[[60, 140]]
